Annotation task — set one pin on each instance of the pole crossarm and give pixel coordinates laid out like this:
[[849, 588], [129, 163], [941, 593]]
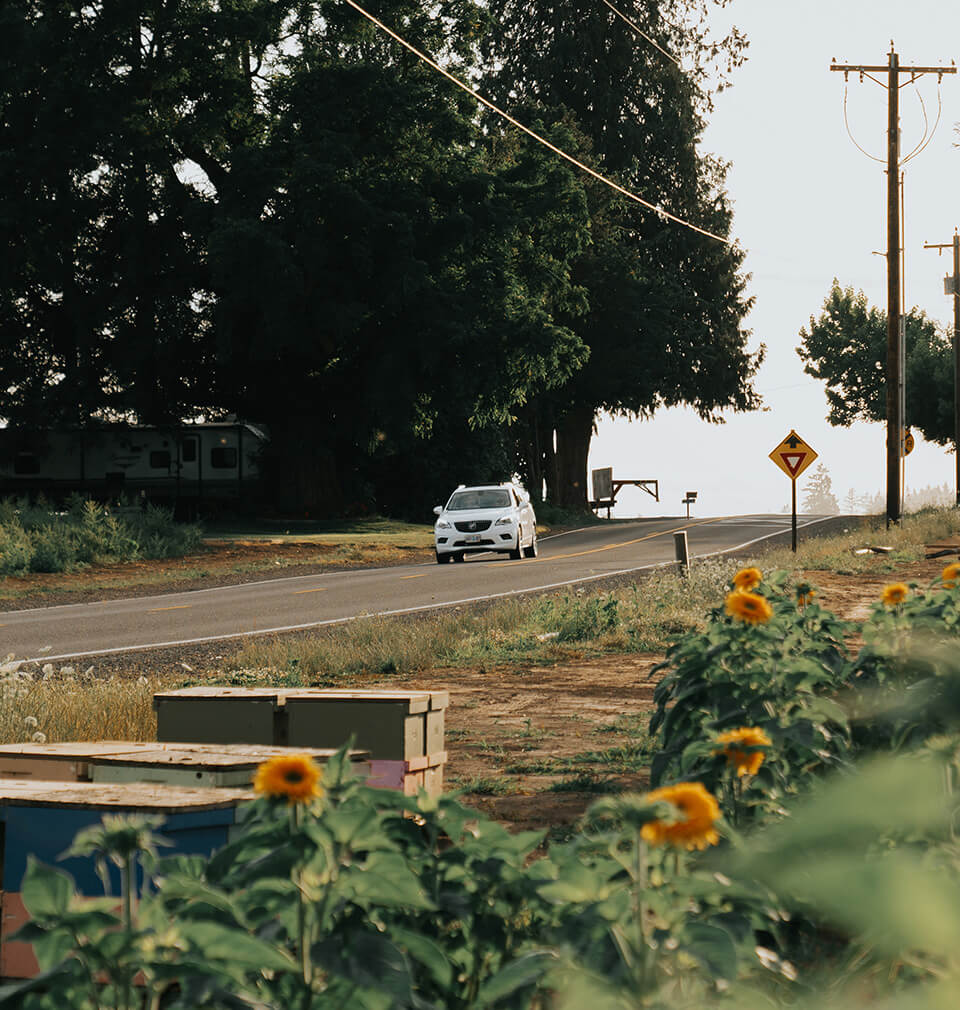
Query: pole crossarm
[[849, 68]]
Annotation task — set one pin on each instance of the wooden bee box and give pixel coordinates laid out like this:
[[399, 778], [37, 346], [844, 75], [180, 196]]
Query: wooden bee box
[[189, 765], [40, 818]]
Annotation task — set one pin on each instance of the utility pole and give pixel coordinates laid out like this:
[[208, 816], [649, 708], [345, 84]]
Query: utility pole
[[895, 419], [953, 287]]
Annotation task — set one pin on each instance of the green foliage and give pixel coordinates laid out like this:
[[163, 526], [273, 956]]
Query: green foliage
[[779, 676], [38, 539], [846, 347]]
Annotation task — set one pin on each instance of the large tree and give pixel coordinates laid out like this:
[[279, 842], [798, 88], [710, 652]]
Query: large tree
[[418, 269], [272, 209], [665, 304], [846, 347]]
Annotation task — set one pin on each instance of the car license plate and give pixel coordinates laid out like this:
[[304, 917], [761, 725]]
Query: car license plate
[[472, 538]]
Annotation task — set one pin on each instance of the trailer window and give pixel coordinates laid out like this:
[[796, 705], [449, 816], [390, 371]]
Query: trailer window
[[160, 459], [26, 463], [188, 450], [223, 458]]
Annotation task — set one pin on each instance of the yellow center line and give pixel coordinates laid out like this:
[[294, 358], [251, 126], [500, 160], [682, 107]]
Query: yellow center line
[[157, 610], [319, 589], [414, 576], [613, 547]]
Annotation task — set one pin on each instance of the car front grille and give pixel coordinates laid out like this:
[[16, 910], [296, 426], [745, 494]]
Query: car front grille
[[473, 526]]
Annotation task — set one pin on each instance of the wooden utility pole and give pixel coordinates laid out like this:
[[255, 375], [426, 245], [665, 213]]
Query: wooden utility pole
[[893, 70], [954, 289]]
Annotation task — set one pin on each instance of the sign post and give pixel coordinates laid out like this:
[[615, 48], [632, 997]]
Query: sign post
[[793, 456]]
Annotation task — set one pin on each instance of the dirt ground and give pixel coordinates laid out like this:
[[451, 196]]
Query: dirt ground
[[522, 734], [532, 746]]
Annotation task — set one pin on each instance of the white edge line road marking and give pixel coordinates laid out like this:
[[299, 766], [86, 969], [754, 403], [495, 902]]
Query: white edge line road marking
[[406, 610]]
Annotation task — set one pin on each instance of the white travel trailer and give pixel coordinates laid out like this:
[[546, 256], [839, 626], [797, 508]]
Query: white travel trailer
[[181, 465]]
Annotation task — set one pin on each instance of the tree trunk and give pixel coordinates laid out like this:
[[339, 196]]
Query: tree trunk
[[574, 431]]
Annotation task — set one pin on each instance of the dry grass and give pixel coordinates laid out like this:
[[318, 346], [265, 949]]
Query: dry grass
[[51, 705]]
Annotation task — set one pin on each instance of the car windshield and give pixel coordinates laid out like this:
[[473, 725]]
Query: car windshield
[[495, 498]]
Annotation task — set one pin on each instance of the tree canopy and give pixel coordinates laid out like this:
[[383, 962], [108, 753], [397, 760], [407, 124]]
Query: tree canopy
[[270, 209], [846, 347]]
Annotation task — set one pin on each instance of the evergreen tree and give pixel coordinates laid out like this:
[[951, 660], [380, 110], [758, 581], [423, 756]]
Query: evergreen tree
[[818, 496]]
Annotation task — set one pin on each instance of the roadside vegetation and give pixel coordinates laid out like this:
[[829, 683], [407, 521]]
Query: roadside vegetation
[[35, 537], [798, 849]]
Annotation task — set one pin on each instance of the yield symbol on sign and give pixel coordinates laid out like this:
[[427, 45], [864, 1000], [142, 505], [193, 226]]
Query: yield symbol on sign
[[793, 461]]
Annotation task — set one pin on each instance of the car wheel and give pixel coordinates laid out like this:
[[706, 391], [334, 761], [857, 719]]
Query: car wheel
[[517, 553], [442, 559], [531, 551], [458, 556]]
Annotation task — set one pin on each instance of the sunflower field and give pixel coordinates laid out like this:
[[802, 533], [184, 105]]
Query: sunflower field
[[799, 847]]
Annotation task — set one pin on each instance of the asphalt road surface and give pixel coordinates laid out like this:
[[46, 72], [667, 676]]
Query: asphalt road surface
[[308, 601]]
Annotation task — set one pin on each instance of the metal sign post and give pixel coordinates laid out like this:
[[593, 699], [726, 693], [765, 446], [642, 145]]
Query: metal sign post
[[793, 456]]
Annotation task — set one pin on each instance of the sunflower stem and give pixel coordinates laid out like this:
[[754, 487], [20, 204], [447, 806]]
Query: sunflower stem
[[640, 908], [303, 940]]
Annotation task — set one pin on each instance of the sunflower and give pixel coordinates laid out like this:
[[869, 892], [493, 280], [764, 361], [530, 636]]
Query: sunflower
[[950, 575], [698, 810], [895, 593], [748, 607], [747, 579], [294, 777], [805, 594], [745, 761]]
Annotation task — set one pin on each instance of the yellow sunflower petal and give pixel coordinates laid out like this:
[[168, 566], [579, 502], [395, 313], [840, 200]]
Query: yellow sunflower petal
[[748, 607], [293, 777], [895, 594], [747, 579], [694, 829]]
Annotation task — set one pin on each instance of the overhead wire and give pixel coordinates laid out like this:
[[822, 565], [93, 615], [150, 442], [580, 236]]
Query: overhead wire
[[642, 33], [531, 133], [926, 142], [846, 123], [922, 143]]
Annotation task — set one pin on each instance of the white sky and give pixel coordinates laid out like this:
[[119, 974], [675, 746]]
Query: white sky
[[809, 206]]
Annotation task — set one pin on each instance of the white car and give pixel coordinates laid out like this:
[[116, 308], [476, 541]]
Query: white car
[[488, 517]]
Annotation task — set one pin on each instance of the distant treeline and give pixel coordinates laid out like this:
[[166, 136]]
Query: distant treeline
[[270, 209]]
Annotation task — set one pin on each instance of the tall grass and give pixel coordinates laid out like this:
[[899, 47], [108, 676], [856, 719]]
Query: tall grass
[[551, 628], [37, 538], [47, 705], [835, 552]]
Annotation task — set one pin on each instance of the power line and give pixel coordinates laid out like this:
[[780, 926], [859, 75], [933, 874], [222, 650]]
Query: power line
[[536, 136], [642, 34]]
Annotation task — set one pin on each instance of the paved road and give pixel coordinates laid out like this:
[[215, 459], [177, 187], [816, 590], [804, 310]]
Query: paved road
[[288, 604]]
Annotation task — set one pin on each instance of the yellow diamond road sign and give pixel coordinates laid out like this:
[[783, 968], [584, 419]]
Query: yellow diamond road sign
[[793, 455]]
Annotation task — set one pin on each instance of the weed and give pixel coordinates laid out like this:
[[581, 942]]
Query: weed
[[584, 784], [487, 785]]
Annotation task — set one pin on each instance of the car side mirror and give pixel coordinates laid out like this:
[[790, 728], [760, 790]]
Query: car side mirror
[[437, 509]]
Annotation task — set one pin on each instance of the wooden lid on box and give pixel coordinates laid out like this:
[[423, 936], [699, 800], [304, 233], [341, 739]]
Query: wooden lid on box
[[142, 796]]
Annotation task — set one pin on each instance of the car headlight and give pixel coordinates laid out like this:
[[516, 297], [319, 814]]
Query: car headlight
[[504, 521], [442, 524]]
